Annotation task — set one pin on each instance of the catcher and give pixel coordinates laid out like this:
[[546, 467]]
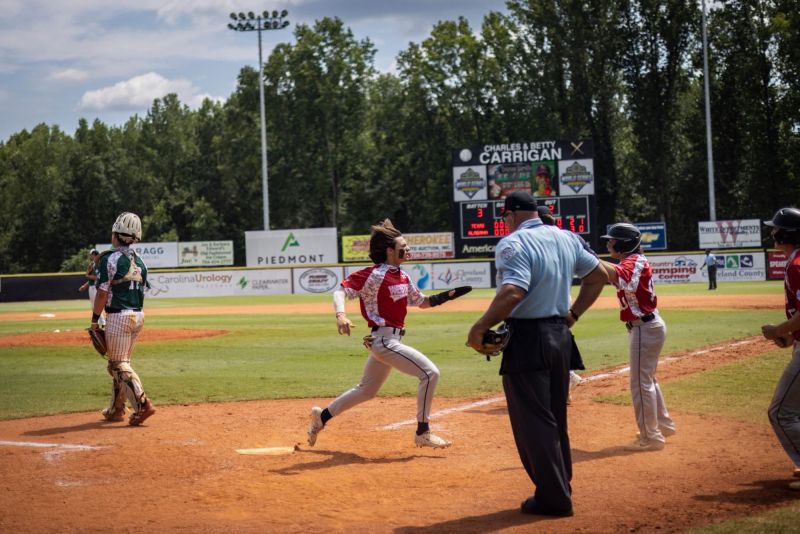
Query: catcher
[[385, 292], [120, 291]]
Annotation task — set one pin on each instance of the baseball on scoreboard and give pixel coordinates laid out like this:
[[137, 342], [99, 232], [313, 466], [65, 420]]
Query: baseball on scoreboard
[[559, 175]]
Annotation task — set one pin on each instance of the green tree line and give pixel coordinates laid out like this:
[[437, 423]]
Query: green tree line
[[349, 146]]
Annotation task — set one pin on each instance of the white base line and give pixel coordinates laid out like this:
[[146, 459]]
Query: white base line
[[592, 378], [49, 445]]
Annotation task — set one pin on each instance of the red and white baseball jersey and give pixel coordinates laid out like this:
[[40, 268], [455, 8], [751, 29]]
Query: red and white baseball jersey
[[791, 284], [385, 293], [635, 291]]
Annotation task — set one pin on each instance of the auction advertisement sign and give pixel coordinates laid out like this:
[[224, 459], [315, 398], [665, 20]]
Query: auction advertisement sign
[[317, 280], [777, 265], [205, 253], [741, 233], [220, 283], [732, 267], [428, 246], [307, 246], [155, 255]]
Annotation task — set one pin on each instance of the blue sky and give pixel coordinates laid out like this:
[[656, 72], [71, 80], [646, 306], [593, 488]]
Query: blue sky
[[108, 59]]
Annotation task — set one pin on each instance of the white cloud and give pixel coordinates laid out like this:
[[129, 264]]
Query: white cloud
[[70, 75], [139, 92]]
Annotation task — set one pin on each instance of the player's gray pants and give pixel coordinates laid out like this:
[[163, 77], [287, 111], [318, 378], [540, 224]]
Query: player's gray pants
[[388, 352], [784, 410], [645, 343]]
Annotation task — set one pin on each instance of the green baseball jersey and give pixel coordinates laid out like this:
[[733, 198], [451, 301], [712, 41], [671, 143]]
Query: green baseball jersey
[[123, 275]]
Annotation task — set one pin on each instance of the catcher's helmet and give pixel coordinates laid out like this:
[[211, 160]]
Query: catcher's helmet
[[128, 224], [628, 237], [786, 219]]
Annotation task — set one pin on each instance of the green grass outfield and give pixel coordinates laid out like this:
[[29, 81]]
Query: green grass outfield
[[272, 356]]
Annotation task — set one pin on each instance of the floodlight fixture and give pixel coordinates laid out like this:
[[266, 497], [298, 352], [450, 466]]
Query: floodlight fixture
[[262, 23]]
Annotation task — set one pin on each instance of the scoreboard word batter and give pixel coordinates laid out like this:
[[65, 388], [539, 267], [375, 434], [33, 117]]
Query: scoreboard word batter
[[559, 174]]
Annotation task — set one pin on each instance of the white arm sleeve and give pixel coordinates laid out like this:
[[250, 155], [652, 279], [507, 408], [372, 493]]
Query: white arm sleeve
[[338, 300]]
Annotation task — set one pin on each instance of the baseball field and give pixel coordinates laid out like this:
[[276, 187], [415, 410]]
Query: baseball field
[[233, 381]]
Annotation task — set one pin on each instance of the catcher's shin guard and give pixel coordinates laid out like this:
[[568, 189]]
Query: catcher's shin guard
[[129, 383]]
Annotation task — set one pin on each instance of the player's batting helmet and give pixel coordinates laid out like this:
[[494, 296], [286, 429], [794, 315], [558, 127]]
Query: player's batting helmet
[[786, 224], [627, 237]]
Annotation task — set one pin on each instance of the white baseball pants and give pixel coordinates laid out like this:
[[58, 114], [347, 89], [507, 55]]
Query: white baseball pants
[[388, 352], [122, 329], [645, 343]]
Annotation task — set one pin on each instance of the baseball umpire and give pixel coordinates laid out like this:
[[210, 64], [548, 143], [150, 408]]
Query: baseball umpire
[[120, 292], [385, 292], [536, 264], [784, 410]]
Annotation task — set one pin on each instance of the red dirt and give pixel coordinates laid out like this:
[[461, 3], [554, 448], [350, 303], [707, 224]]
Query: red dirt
[[79, 337], [180, 470]]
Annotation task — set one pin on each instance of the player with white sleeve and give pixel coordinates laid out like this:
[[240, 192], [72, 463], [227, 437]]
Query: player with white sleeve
[[385, 292]]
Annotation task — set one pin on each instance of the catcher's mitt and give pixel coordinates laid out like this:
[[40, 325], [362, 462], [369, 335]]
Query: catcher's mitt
[[494, 341], [98, 337]]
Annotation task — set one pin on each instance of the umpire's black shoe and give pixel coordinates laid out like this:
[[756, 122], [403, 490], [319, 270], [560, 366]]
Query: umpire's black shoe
[[530, 506]]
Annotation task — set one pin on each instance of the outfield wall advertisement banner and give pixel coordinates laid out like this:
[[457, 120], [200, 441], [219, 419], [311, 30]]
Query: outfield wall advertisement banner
[[220, 283], [732, 267], [155, 255], [430, 246], [205, 253], [439, 276], [777, 265], [307, 246], [317, 280], [741, 233], [181, 254]]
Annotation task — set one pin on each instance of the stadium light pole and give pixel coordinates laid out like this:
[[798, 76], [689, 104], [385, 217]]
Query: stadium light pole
[[712, 209], [258, 23]]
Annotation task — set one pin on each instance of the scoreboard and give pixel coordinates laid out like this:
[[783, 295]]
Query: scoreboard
[[484, 219], [558, 174]]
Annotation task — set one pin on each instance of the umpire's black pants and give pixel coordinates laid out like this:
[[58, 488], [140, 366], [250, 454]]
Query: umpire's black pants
[[536, 382]]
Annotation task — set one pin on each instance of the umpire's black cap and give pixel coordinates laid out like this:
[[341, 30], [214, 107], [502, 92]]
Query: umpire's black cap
[[519, 201]]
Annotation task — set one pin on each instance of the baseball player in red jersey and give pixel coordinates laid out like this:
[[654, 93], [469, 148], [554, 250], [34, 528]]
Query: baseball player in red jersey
[[633, 278], [784, 410], [385, 292]]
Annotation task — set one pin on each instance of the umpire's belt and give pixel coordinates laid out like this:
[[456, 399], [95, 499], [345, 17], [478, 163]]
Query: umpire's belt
[[118, 310], [388, 331], [640, 321]]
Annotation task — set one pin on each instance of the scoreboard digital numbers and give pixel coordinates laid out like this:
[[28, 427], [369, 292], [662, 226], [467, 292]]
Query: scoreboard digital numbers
[[558, 174], [480, 220]]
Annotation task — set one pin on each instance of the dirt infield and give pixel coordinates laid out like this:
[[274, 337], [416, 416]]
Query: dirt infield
[[181, 470], [80, 337]]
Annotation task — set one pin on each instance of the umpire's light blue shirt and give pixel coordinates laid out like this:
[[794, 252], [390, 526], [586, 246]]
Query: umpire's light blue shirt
[[542, 260]]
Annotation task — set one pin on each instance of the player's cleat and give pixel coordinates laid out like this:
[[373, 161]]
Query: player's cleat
[[117, 415], [427, 439], [139, 417], [315, 426], [794, 486], [796, 472], [643, 445], [666, 432]]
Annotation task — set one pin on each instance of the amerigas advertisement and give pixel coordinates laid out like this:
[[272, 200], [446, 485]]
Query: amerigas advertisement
[[731, 267], [730, 234], [309, 246], [220, 283]]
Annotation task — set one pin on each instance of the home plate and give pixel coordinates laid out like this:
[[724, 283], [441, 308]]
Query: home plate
[[270, 451]]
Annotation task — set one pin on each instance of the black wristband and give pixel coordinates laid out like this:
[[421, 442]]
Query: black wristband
[[95, 317], [574, 315]]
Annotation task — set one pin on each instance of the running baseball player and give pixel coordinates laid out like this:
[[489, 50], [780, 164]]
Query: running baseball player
[[92, 270], [385, 292], [785, 406], [633, 278], [120, 292]]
